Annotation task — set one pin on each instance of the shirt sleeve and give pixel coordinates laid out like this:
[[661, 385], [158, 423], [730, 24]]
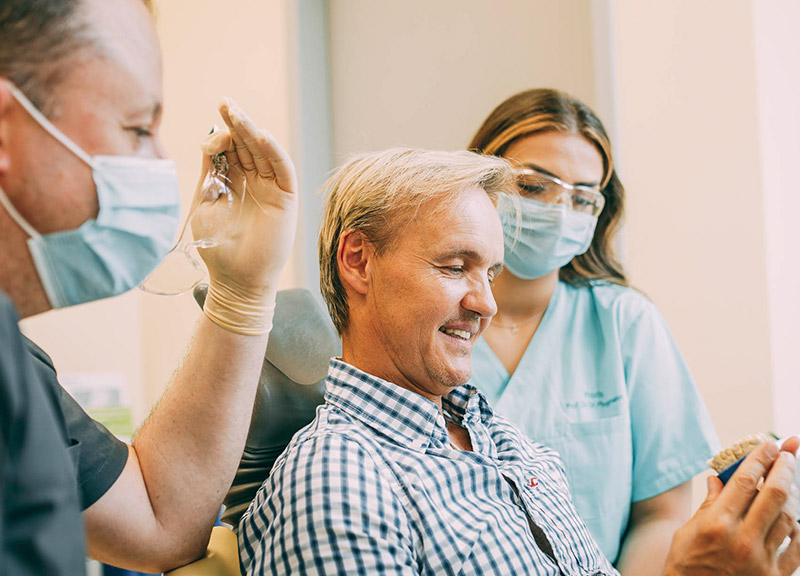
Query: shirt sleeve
[[673, 436], [99, 455], [326, 509]]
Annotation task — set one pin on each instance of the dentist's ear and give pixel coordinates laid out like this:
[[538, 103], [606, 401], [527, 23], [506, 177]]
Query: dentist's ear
[[353, 258]]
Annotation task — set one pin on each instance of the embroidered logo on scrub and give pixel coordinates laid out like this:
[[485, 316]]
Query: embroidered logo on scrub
[[593, 400]]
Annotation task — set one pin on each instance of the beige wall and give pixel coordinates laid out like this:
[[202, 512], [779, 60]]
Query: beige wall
[[688, 142], [422, 73], [706, 101], [777, 48]]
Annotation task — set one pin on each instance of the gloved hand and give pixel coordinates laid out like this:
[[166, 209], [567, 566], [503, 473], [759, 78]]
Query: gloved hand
[[245, 269]]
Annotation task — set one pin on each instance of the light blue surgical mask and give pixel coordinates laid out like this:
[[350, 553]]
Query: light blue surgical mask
[[547, 237], [139, 207]]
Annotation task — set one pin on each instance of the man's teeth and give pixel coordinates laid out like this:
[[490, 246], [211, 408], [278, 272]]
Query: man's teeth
[[463, 334]]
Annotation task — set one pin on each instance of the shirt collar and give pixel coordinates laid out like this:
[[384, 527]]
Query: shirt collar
[[467, 405], [404, 416]]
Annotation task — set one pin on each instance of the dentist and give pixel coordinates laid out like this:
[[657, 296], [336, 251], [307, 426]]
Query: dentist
[[88, 208]]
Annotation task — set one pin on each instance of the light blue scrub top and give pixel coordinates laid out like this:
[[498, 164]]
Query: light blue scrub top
[[603, 383]]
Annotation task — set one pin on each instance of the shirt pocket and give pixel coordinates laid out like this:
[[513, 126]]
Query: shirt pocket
[[597, 455]]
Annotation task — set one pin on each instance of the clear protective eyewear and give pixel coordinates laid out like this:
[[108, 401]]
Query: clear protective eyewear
[[213, 220], [551, 190]]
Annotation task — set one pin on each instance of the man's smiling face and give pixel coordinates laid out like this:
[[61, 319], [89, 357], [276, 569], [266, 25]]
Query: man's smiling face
[[430, 293]]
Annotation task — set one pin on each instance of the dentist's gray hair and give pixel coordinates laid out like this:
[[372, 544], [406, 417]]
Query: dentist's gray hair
[[39, 38], [380, 192]]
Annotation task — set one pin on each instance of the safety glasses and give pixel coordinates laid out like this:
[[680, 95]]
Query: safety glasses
[[551, 190]]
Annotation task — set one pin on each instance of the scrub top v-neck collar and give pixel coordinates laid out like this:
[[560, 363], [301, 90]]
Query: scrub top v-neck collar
[[494, 387]]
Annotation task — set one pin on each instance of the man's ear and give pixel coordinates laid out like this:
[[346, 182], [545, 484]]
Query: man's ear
[[354, 256], [6, 105]]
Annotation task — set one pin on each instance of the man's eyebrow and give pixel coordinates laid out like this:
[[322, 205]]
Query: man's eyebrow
[[465, 253], [533, 166], [468, 254]]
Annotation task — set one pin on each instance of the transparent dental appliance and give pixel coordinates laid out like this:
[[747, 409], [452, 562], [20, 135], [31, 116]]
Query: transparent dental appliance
[[213, 220]]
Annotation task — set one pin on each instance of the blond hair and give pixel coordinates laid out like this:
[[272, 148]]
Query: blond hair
[[380, 192]]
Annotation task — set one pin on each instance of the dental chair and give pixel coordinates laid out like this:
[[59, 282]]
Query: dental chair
[[291, 386]]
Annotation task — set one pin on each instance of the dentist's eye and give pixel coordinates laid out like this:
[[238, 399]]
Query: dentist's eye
[[140, 134], [454, 270]]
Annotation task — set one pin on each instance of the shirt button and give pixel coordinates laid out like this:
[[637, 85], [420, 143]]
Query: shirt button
[[440, 421]]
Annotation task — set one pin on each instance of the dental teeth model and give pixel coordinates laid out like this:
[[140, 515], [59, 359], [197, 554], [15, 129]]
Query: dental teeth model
[[739, 450], [726, 462]]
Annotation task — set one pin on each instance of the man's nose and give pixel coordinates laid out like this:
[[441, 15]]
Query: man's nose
[[479, 298]]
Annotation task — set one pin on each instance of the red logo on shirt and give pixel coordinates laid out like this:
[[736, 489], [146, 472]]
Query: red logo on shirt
[[533, 482]]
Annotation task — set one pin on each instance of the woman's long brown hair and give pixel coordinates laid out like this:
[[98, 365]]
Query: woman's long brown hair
[[546, 109]]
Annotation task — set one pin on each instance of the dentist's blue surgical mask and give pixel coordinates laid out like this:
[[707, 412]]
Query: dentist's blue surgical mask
[[134, 229], [546, 238]]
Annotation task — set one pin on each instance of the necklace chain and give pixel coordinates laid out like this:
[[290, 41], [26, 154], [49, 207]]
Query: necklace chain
[[514, 326]]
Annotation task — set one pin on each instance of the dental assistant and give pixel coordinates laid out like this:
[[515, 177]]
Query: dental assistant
[[577, 358]]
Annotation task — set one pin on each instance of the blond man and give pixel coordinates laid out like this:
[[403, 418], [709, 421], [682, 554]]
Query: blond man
[[406, 469]]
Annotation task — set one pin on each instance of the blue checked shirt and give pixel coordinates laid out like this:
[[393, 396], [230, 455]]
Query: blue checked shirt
[[372, 486]]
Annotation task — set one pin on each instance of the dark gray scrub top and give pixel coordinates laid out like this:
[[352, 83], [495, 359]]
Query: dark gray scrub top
[[98, 455], [54, 461]]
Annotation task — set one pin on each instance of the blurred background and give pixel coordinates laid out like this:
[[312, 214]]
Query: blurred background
[[700, 98]]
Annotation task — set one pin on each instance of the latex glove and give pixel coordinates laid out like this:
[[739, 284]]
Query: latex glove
[[740, 527], [244, 271]]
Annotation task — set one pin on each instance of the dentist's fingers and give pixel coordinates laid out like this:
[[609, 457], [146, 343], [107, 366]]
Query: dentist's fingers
[[782, 528], [256, 141], [280, 161], [791, 445], [742, 488], [219, 140], [786, 523], [714, 486], [241, 155], [215, 143], [790, 558], [774, 497]]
